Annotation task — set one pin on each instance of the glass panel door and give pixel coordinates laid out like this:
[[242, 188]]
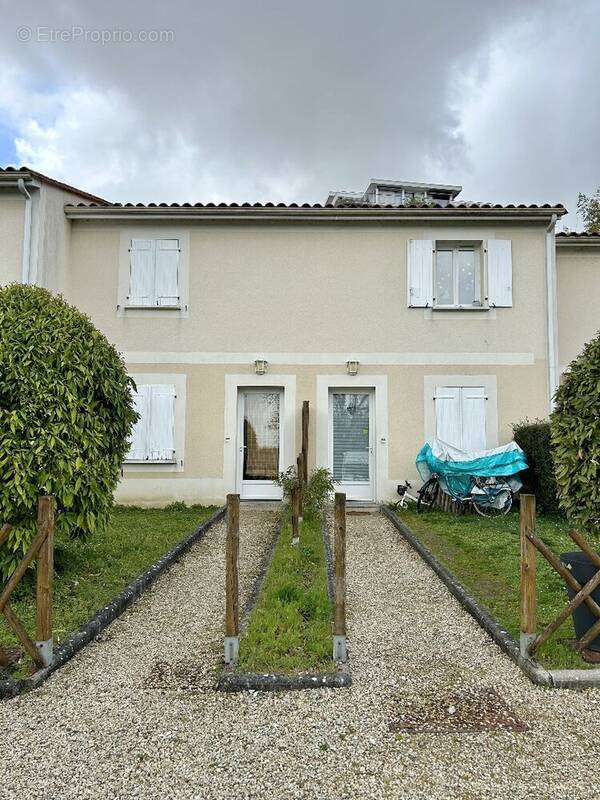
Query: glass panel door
[[351, 443], [260, 442]]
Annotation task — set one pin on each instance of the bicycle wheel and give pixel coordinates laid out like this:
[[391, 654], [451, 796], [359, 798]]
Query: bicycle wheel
[[497, 506], [427, 495]]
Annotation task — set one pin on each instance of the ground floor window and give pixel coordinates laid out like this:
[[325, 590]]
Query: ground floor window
[[460, 416], [153, 438]]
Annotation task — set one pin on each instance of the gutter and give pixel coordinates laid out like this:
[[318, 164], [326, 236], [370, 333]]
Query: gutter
[[552, 312], [26, 262], [300, 213]]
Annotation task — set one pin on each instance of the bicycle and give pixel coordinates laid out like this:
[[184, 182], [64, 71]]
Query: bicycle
[[405, 495], [488, 497]]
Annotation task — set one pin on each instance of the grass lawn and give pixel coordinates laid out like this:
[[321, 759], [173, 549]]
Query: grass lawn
[[289, 630], [90, 572], [484, 555]]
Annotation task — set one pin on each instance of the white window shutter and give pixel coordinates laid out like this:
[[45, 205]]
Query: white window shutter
[[167, 267], [420, 272], [141, 273], [448, 415], [162, 429], [139, 438], [473, 413], [499, 258]]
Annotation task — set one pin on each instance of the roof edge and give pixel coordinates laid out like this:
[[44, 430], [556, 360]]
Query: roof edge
[[26, 172], [315, 212]]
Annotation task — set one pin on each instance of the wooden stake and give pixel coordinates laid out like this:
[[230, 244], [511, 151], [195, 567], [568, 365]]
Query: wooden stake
[[295, 515], [305, 419], [232, 554], [45, 569], [300, 473], [528, 593], [339, 597]]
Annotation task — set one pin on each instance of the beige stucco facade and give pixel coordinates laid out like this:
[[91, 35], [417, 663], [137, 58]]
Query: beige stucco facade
[[307, 292], [578, 288], [12, 211], [307, 297]]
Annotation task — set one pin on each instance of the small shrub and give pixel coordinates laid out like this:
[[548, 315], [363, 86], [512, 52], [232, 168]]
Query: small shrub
[[176, 505], [575, 426], [318, 490], [533, 436], [66, 414]]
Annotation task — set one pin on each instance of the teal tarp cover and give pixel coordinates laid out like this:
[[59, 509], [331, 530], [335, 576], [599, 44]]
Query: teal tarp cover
[[456, 468]]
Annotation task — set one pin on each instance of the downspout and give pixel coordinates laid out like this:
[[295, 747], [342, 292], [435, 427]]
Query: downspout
[[25, 267], [551, 311]]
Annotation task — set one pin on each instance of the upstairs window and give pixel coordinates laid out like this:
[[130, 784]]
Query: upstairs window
[[153, 437], [460, 275], [457, 282], [460, 416], [154, 273]]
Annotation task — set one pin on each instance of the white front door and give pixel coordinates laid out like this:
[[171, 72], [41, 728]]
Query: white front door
[[259, 443], [351, 441]]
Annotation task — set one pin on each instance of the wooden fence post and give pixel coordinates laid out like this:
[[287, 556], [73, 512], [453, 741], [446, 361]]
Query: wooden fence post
[[295, 515], [305, 418], [339, 594], [300, 473], [45, 579], [528, 592], [232, 548]]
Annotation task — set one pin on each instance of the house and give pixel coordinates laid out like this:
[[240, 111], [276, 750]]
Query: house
[[399, 313]]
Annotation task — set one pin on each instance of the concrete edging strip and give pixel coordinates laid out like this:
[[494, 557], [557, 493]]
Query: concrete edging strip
[[77, 640]]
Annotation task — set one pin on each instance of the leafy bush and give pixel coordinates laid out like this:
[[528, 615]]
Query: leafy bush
[[575, 427], [533, 436], [66, 413], [319, 488]]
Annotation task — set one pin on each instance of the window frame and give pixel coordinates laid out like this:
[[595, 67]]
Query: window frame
[[455, 247]]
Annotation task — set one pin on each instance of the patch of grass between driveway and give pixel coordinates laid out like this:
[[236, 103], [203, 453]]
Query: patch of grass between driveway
[[90, 572], [289, 630], [484, 555]]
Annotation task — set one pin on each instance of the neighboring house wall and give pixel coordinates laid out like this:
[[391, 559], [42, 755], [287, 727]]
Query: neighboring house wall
[[307, 297], [49, 238], [12, 213], [51, 250], [578, 272]]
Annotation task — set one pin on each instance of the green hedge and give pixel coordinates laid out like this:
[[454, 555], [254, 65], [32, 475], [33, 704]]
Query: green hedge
[[576, 439], [535, 439], [66, 414]]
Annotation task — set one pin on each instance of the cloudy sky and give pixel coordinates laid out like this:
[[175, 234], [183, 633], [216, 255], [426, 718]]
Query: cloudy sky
[[256, 100]]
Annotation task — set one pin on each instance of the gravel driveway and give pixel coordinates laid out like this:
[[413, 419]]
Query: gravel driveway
[[135, 715]]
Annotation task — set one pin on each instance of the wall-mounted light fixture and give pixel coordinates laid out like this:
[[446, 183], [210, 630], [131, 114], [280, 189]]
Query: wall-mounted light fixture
[[260, 366], [352, 367]]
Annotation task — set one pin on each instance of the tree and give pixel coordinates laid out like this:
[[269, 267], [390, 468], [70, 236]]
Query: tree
[[66, 414], [575, 426], [589, 209]]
